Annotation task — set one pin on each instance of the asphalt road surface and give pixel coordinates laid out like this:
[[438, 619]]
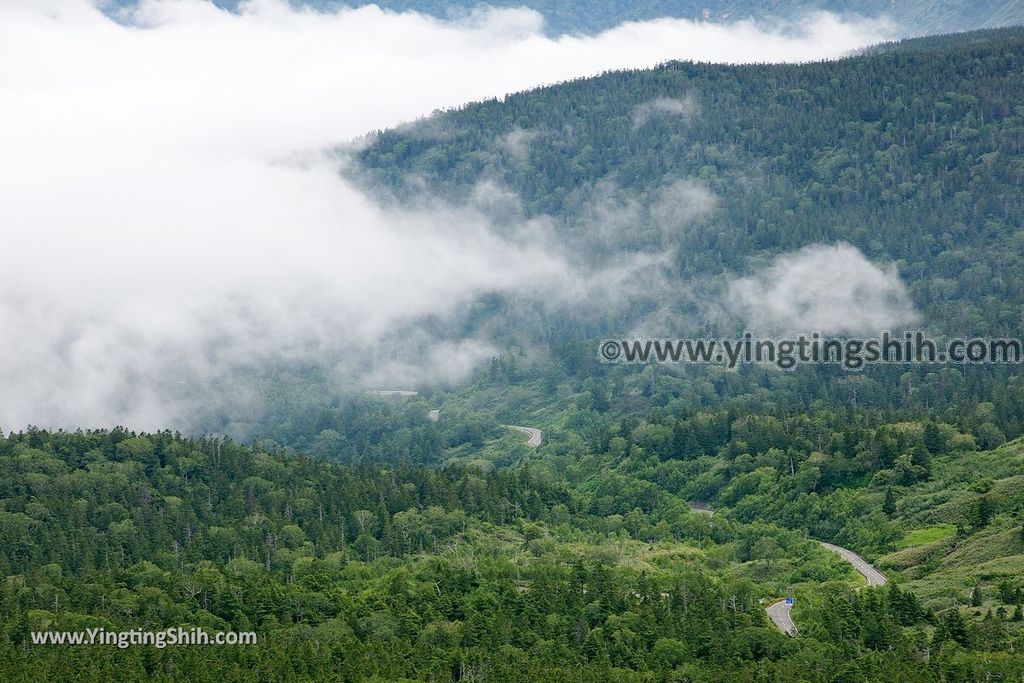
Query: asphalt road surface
[[870, 574], [778, 612], [534, 434]]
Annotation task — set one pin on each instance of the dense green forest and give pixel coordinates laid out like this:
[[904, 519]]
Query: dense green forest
[[406, 572]]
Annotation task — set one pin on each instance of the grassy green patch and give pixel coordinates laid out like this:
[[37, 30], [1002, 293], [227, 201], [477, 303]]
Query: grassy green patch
[[927, 535]]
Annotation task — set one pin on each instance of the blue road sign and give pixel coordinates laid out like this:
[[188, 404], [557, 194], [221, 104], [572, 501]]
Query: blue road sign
[[789, 601]]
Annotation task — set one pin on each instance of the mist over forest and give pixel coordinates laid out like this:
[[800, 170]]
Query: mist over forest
[[305, 320]]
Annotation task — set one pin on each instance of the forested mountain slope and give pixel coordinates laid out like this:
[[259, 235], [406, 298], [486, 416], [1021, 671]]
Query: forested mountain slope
[[912, 155]]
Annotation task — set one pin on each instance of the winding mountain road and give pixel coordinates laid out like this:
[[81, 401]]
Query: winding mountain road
[[535, 434], [870, 574], [778, 612]]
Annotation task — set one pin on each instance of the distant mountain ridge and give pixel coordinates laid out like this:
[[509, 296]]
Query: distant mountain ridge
[[912, 17]]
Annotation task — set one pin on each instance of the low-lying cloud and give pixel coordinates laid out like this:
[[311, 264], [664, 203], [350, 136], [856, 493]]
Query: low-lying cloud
[[169, 219], [827, 288]]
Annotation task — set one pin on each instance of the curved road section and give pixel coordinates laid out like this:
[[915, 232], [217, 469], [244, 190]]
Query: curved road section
[[778, 612], [870, 574], [535, 434]]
